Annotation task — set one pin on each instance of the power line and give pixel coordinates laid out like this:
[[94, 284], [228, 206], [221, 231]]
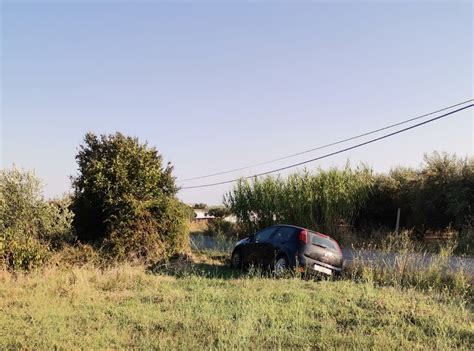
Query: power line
[[326, 145], [333, 153]]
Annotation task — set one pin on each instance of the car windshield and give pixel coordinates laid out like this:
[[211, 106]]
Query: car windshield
[[322, 241]]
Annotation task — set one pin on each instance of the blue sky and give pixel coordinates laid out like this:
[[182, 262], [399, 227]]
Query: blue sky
[[221, 85]]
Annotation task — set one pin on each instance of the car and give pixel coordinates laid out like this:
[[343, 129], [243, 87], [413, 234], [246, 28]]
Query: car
[[284, 247]]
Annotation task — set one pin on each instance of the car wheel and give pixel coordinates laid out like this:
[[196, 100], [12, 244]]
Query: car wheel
[[236, 259], [280, 266]]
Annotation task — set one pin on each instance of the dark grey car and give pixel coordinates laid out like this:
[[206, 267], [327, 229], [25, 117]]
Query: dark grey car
[[282, 247]]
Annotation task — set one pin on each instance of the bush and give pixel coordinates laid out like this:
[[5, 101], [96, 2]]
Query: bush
[[124, 199], [77, 255], [221, 228], [29, 226], [57, 223], [438, 195], [218, 211], [21, 250]]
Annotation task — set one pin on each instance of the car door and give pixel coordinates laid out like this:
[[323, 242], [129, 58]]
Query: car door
[[257, 250], [285, 240]]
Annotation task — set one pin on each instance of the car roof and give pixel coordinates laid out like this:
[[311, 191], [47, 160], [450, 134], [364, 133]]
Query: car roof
[[298, 227], [288, 225]]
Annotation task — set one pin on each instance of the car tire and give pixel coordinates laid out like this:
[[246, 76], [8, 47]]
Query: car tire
[[281, 265], [236, 261]]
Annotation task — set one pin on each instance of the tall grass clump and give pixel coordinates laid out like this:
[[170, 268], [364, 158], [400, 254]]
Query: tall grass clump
[[322, 200], [401, 262]]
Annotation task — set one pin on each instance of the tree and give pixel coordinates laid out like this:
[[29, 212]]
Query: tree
[[124, 198], [30, 226], [218, 211]]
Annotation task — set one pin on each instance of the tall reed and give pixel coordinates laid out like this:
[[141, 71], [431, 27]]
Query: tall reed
[[321, 200]]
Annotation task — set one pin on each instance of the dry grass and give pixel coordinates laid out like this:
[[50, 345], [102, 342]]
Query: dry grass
[[400, 262], [198, 227]]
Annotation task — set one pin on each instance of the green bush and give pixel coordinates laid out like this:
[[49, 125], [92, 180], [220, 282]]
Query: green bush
[[437, 195], [56, 225], [20, 250], [218, 211], [124, 199], [78, 255], [221, 228], [30, 227]]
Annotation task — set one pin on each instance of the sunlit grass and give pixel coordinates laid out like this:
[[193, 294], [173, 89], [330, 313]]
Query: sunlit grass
[[212, 307]]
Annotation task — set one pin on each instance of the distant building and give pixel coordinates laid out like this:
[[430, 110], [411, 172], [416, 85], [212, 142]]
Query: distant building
[[230, 218], [202, 216]]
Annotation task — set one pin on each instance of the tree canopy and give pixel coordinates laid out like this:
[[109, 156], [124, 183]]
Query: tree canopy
[[124, 197]]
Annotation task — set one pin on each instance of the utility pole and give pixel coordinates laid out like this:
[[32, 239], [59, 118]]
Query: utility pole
[[397, 225]]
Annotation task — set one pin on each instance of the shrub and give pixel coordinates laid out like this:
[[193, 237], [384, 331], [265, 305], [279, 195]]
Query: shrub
[[218, 211], [124, 199], [221, 228], [21, 250], [56, 225], [29, 226], [437, 195], [77, 255]]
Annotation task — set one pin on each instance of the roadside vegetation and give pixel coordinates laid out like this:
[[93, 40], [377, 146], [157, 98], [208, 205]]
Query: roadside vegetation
[[30, 227], [124, 208], [400, 262], [358, 205]]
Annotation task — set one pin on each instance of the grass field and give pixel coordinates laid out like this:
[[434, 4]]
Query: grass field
[[209, 306]]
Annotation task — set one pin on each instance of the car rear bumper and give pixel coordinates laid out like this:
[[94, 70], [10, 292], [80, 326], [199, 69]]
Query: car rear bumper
[[317, 266]]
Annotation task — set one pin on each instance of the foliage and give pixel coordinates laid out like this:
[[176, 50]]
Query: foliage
[[221, 228], [57, 223], [218, 211], [200, 206], [320, 201], [30, 227], [190, 213], [78, 255], [437, 195], [124, 199]]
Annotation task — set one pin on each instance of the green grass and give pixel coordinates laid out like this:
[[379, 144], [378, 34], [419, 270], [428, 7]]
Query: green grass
[[210, 306]]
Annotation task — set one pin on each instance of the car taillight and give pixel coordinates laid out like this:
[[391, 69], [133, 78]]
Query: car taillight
[[303, 236]]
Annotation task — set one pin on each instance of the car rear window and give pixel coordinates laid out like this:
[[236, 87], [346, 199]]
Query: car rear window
[[324, 242]]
